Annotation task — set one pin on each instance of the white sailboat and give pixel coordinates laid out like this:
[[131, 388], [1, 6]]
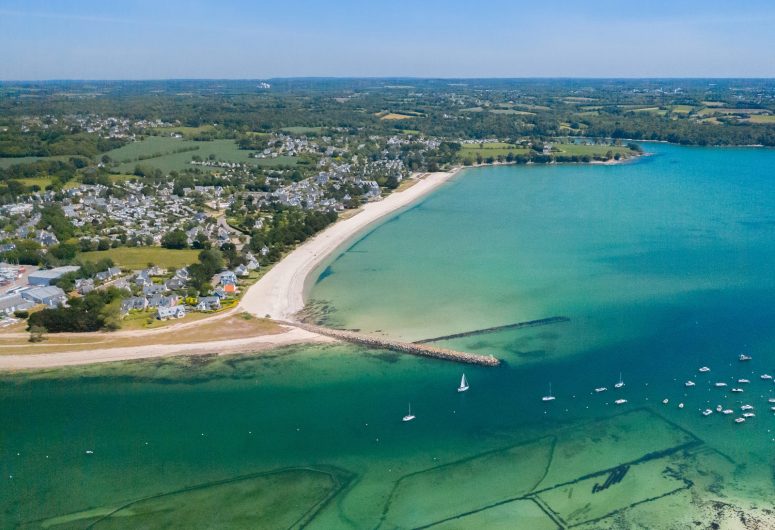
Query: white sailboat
[[620, 384], [463, 384], [410, 416], [550, 397]]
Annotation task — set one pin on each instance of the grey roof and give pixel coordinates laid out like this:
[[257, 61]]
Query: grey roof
[[12, 300], [53, 274], [42, 293]]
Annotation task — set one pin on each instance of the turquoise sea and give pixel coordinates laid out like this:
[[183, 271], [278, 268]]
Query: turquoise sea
[[660, 266]]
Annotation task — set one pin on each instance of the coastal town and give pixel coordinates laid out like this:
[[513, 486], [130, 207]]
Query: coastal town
[[389, 265]]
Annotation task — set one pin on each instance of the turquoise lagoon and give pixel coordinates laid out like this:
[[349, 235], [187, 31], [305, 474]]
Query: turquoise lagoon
[[661, 266]]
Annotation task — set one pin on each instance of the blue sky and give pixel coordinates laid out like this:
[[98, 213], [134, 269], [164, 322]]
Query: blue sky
[[142, 39]]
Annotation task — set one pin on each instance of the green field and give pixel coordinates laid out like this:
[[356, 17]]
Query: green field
[[490, 149], [11, 161], [502, 149], [159, 152], [512, 111], [768, 118], [185, 131], [681, 109], [139, 257], [591, 150]]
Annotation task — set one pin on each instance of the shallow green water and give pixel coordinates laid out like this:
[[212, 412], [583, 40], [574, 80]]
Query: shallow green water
[[662, 266]]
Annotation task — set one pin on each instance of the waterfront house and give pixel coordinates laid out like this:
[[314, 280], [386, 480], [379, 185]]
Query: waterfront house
[[164, 313], [227, 277], [208, 303], [134, 303]]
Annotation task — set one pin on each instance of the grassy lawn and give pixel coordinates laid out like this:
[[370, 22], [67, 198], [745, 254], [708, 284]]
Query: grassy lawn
[[681, 109], [395, 116], [490, 149], [279, 161], [139, 257], [186, 131], [159, 152], [512, 111], [42, 182], [591, 150], [761, 119], [712, 111], [498, 148]]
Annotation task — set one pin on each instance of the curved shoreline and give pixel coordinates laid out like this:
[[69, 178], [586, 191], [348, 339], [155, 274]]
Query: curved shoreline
[[279, 294]]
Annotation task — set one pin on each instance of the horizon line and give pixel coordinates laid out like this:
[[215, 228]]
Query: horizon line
[[390, 77]]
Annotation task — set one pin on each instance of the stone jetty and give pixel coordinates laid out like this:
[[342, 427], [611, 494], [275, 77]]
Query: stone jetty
[[496, 329], [394, 345]]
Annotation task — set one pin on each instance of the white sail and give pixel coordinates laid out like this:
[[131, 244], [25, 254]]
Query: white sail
[[463, 384]]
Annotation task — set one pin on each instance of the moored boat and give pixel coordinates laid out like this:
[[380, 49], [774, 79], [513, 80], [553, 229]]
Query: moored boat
[[550, 397], [689, 383], [744, 357], [707, 412], [620, 401], [704, 369], [739, 420], [410, 416]]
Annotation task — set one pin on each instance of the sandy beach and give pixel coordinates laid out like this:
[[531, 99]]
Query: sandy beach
[[280, 293], [13, 362]]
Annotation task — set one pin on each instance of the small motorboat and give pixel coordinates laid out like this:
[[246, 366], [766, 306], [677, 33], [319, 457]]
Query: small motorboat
[[744, 357], [766, 376], [665, 401], [704, 369], [600, 389], [748, 414], [746, 407], [771, 400], [720, 385], [689, 383], [620, 401], [550, 397], [739, 420], [718, 408], [410, 416], [737, 390], [680, 405], [707, 412], [743, 381], [727, 411]]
